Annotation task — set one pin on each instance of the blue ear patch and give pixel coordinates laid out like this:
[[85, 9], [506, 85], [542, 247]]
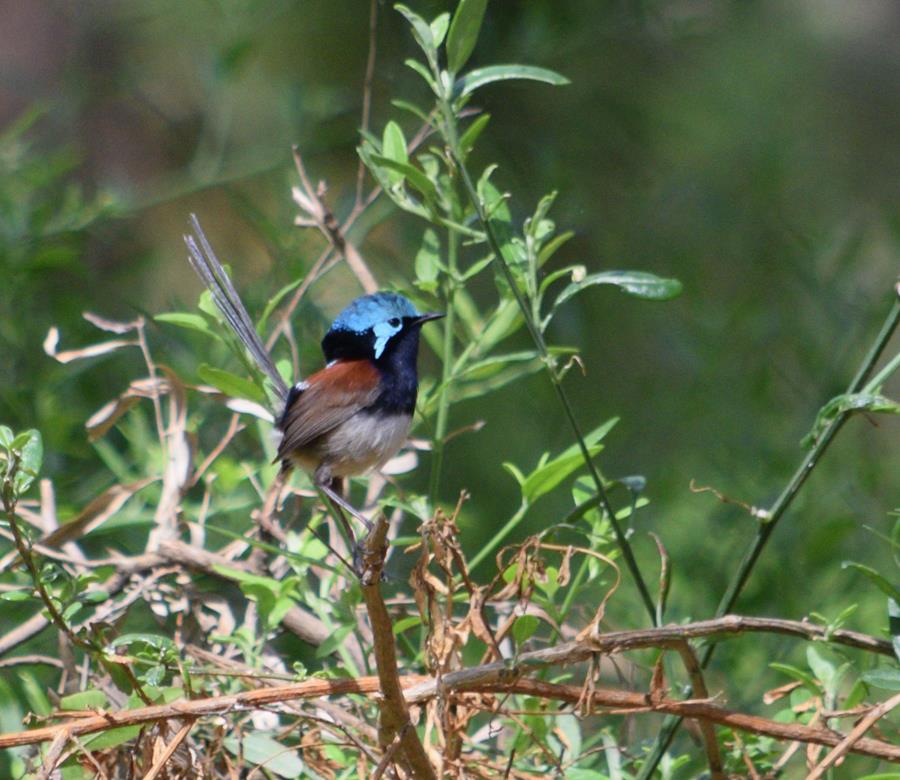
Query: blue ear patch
[[369, 311]]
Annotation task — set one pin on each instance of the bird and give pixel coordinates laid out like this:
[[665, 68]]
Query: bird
[[353, 415]]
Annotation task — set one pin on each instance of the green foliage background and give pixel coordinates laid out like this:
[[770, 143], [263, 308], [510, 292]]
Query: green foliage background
[[748, 149]]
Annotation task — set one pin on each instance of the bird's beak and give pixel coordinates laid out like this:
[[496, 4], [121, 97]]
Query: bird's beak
[[432, 315]]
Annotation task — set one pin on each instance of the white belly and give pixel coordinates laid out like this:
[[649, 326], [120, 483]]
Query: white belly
[[366, 441]]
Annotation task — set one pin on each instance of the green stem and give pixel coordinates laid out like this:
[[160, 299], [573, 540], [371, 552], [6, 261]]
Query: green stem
[[443, 413], [882, 376], [452, 139], [498, 537], [774, 514]]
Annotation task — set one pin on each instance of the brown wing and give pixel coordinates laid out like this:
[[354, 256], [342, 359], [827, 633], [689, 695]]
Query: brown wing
[[331, 396]]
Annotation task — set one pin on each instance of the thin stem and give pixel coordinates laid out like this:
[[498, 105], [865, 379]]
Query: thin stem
[[367, 96], [498, 537], [879, 379], [443, 413], [800, 476], [24, 548], [452, 139], [774, 514]]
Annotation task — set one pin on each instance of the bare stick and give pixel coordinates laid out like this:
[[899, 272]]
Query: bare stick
[[394, 720], [854, 736], [615, 701], [160, 763], [367, 95]]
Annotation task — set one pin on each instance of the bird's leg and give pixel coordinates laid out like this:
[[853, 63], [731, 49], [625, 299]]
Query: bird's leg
[[340, 503]]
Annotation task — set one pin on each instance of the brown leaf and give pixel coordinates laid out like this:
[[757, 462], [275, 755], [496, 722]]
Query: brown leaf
[[108, 414], [103, 348], [95, 513], [112, 326]]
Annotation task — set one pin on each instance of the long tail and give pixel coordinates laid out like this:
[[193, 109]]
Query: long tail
[[215, 277]]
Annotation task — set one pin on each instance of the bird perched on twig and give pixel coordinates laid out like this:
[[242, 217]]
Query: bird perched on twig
[[354, 414]]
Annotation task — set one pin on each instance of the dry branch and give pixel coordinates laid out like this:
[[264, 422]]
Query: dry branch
[[507, 678], [617, 701], [394, 720]]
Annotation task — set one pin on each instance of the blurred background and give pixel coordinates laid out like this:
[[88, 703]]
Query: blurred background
[[749, 149]]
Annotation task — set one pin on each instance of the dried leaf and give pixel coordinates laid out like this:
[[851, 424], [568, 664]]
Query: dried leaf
[[104, 347], [112, 326], [95, 513], [109, 414]]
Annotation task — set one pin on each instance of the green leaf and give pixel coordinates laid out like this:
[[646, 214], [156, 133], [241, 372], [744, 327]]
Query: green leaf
[[477, 78], [393, 146], [464, 32], [112, 737], [798, 674], [893, 609], [886, 678], [548, 475], [428, 261], [6, 436], [516, 472], [421, 31], [154, 641], [524, 628], [822, 667], [419, 68], [274, 301], [84, 700], [638, 283], [470, 136], [334, 641], [261, 750], [31, 454], [395, 192], [17, 595], [35, 694], [542, 480], [849, 402], [405, 105], [551, 247], [415, 177], [495, 202], [406, 623], [439, 28], [877, 579], [476, 268], [187, 320], [230, 384]]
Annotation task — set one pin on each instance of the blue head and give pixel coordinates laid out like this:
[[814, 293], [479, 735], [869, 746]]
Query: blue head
[[372, 326]]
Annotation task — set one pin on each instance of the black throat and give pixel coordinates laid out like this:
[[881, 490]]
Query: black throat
[[399, 376]]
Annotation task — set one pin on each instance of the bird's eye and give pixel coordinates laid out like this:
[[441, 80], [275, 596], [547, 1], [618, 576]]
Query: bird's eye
[[394, 322]]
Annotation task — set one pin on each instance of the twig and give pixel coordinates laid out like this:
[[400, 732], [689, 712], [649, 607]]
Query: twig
[[388, 756], [698, 685], [24, 548], [160, 763], [846, 745], [302, 623], [367, 95], [494, 678], [32, 659], [197, 708], [53, 754], [394, 719], [233, 428], [311, 201], [776, 512]]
